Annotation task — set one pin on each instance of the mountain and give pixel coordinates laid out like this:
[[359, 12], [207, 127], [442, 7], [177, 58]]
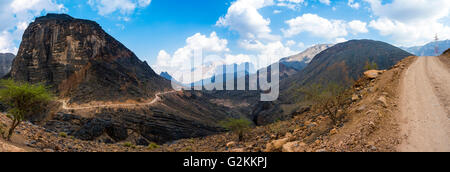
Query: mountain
[[429, 49], [80, 61], [341, 64], [6, 60], [301, 60], [166, 75], [113, 96]]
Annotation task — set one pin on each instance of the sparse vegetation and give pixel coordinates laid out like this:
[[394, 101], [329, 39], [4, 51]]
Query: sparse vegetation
[[330, 99], [63, 134], [2, 131], [129, 145], [153, 145], [238, 126], [371, 66], [24, 100]]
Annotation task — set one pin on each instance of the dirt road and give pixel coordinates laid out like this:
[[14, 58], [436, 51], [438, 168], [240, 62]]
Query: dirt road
[[425, 106], [118, 105]]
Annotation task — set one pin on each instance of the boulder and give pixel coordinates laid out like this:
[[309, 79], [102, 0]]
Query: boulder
[[372, 74], [231, 144], [294, 147], [276, 145], [382, 100]]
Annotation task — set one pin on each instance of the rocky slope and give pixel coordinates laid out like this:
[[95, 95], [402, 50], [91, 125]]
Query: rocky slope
[[301, 60], [341, 64], [80, 61], [369, 124], [6, 60]]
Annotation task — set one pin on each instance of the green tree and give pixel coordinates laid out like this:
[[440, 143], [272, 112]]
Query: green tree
[[238, 126], [371, 66], [23, 100], [330, 98]]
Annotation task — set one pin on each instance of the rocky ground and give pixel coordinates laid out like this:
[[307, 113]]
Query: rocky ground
[[369, 124], [445, 58], [33, 138]]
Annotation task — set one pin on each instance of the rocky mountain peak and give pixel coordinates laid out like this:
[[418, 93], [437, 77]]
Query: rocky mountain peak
[[80, 61]]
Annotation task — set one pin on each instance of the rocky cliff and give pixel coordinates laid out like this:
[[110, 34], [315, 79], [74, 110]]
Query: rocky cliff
[[6, 60], [80, 61]]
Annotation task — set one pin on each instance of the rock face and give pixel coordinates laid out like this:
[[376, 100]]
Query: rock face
[[80, 61], [6, 60]]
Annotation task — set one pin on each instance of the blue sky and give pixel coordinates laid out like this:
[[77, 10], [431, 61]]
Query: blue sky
[[164, 32]]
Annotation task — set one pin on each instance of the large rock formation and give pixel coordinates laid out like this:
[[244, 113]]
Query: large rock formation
[[6, 60], [80, 61]]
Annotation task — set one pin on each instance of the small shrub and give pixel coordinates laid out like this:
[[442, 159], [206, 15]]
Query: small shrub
[[329, 99], [371, 66], [238, 126], [63, 134], [2, 132], [153, 145], [129, 145]]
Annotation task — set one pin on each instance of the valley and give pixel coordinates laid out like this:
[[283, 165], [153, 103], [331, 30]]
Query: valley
[[108, 100]]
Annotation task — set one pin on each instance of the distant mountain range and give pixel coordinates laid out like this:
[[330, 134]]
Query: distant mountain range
[[429, 49], [6, 60]]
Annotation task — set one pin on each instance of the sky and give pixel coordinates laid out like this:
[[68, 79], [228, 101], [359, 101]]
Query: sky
[[165, 33]]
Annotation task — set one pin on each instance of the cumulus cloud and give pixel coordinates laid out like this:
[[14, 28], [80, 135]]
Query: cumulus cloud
[[326, 2], [15, 16], [411, 22], [291, 4], [243, 17], [179, 63], [322, 27], [357, 26], [267, 53], [125, 7], [353, 4]]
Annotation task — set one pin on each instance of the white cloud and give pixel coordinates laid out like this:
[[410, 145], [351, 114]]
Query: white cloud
[[277, 11], [15, 16], [125, 7], [178, 64], [6, 44], [326, 2], [290, 43], [410, 10], [291, 4], [268, 53], [353, 4], [411, 22], [357, 26], [340, 40], [243, 17], [323, 27]]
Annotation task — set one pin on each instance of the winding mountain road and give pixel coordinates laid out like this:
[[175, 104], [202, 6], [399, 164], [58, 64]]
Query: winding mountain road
[[117, 105], [425, 106]]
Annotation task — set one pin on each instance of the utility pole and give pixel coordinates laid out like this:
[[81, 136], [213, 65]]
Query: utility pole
[[436, 46]]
